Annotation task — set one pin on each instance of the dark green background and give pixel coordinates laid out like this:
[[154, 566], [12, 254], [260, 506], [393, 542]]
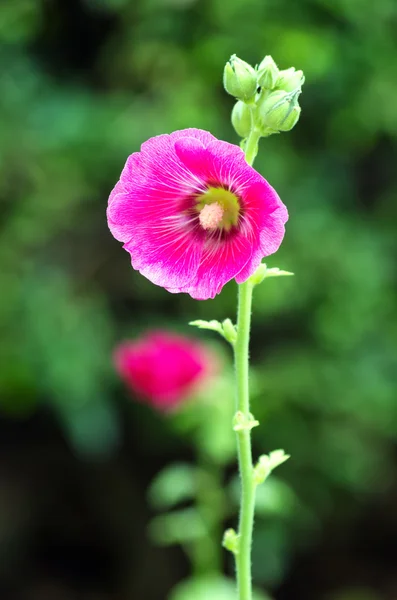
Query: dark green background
[[83, 84]]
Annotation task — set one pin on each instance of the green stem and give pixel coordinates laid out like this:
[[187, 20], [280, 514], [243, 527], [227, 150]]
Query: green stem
[[251, 145], [246, 520], [241, 356]]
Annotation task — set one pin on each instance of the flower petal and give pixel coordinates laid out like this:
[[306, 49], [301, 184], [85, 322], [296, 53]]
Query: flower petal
[[150, 211], [220, 262], [133, 167], [204, 136], [120, 209], [167, 258]]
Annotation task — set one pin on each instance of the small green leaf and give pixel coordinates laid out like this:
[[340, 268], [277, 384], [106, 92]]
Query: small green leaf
[[275, 498], [277, 457], [267, 463], [262, 272], [177, 527], [276, 272], [212, 325], [229, 331], [209, 588], [172, 485], [242, 421], [230, 541], [226, 329]]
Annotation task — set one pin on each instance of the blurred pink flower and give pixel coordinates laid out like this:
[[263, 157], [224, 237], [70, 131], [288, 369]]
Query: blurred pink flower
[[163, 368], [193, 214]]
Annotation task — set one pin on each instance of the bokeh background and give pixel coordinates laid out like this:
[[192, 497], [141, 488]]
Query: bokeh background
[[82, 84]]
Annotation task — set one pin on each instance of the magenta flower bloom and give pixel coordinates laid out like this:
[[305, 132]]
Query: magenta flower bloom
[[163, 368], [193, 214]]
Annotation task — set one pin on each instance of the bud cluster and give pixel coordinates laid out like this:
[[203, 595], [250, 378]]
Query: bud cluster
[[267, 97]]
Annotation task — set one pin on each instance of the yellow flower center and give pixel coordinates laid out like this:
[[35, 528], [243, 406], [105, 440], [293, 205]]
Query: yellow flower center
[[218, 209]]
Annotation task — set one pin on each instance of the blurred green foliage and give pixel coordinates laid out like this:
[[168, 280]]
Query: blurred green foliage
[[82, 85], [209, 587]]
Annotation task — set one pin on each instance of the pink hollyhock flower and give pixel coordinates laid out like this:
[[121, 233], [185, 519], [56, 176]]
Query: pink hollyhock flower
[[193, 214], [163, 368]]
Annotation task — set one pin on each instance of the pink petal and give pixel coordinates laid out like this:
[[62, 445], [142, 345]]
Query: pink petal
[[219, 264], [166, 259], [133, 167], [119, 210], [204, 136]]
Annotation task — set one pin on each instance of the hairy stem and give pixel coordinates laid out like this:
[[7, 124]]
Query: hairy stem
[[241, 359], [246, 519]]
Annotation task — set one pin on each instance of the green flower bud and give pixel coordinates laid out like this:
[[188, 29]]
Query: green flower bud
[[239, 79], [268, 73], [241, 119], [279, 112], [290, 80]]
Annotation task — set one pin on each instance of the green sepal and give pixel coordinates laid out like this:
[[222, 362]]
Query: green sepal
[[262, 272], [177, 527], [243, 422]]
